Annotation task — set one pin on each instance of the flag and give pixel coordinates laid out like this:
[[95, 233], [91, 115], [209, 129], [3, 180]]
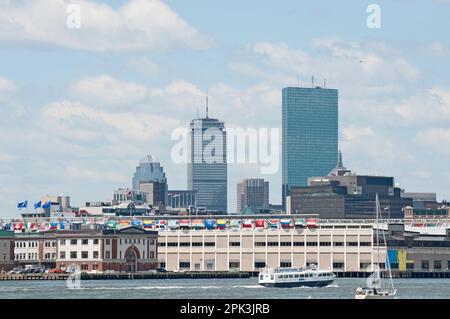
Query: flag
[[37, 205], [47, 204], [22, 204]]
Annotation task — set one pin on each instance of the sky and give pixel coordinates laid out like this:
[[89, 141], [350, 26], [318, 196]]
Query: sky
[[79, 107]]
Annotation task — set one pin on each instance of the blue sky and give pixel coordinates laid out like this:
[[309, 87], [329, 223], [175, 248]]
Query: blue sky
[[80, 107]]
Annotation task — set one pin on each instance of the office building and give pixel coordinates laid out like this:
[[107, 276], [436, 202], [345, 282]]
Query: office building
[[345, 195], [182, 199], [122, 195], [253, 194], [149, 170], [6, 250], [207, 168], [309, 134], [422, 200]]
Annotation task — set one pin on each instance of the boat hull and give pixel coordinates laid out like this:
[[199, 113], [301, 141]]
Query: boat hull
[[322, 283]]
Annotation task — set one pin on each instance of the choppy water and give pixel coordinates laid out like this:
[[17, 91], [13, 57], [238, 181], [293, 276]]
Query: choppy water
[[342, 288]]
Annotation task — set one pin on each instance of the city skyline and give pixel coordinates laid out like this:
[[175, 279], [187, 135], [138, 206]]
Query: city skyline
[[80, 107]]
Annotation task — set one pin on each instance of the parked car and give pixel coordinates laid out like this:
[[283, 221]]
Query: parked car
[[56, 271], [161, 269]]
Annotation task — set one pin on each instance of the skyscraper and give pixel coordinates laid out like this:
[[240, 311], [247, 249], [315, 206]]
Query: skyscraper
[[149, 175], [207, 169], [253, 194], [310, 134]]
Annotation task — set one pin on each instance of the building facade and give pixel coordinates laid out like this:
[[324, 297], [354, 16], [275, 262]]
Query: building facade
[[309, 134], [148, 170], [6, 250], [338, 247], [130, 249], [207, 168], [182, 199], [35, 248], [156, 192], [253, 194]]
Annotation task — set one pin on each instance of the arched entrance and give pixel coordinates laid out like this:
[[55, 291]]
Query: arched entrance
[[131, 259]]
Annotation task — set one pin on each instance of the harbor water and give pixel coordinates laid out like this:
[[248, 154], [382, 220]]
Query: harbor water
[[342, 288]]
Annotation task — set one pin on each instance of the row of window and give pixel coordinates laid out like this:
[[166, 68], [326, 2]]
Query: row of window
[[270, 244], [26, 256], [26, 244], [62, 242], [74, 255]]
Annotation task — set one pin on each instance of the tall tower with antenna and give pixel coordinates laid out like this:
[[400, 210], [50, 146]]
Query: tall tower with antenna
[[207, 168]]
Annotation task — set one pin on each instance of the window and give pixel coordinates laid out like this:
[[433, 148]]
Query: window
[[184, 244], [152, 241], [84, 255], [394, 265], [338, 243], [260, 264], [47, 256], [108, 241], [272, 243], [84, 267], [235, 244], [47, 244], [410, 265], [197, 244], [285, 264], [285, 243], [162, 265], [234, 265], [94, 267], [260, 244], [311, 243], [325, 243], [96, 241], [352, 243], [162, 244], [210, 244], [152, 255], [185, 264], [107, 255], [172, 244], [73, 255], [85, 241], [73, 241], [338, 265], [365, 243], [62, 242], [299, 243], [54, 244], [425, 264], [95, 254], [438, 264]]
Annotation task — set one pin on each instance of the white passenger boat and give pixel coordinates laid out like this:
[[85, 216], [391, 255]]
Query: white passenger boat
[[295, 277]]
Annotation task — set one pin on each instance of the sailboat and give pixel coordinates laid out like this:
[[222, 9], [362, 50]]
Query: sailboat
[[376, 289]]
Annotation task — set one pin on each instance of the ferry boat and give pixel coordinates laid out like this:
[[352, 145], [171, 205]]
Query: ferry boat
[[295, 277]]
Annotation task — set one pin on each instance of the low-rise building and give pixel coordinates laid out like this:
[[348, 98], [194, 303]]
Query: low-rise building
[[6, 250], [338, 247]]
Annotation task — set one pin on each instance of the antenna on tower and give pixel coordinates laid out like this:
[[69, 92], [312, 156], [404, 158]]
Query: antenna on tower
[[312, 81], [206, 103], [324, 83]]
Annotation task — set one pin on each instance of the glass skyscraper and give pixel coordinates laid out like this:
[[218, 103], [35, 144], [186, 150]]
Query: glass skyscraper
[[149, 170], [310, 134], [207, 170]]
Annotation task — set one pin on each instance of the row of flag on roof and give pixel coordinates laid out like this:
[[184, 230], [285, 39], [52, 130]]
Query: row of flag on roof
[[20, 226], [37, 205]]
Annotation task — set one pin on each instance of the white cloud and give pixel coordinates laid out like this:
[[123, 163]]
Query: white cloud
[[75, 171], [425, 107], [110, 90], [352, 132], [137, 25], [7, 86], [143, 65], [435, 139], [83, 123]]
